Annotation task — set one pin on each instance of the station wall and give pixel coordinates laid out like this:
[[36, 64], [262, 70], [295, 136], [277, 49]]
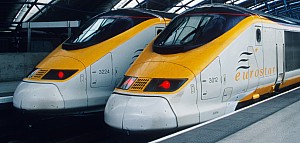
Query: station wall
[[15, 66]]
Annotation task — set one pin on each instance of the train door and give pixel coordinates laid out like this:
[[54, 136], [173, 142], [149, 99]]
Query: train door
[[100, 80], [255, 58], [268, 72], [279, 59], [209, 104], [211, 80]]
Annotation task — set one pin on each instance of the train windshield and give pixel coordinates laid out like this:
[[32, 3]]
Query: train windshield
[[102, 28], [97, 26], [191, 30]]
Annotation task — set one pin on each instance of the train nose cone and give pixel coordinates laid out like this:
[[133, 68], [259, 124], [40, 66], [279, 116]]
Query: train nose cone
[[32, 96], [137, 113]]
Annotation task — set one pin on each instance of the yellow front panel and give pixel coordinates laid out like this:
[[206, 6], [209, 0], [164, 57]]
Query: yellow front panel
[[91, 54], [159, 70], [82, 58]]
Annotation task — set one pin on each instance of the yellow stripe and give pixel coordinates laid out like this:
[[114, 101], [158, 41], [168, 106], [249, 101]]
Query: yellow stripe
[[260, 91], [88, 56], [270, 89], [290, 81]]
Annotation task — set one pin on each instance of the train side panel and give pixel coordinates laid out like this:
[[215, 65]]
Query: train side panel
[[224, 81], [262, 66], [247, 65]]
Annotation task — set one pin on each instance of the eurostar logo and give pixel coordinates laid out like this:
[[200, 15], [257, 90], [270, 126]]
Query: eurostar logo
[[244, 71]]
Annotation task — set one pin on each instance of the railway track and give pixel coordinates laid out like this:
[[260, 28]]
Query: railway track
[[78, 129]]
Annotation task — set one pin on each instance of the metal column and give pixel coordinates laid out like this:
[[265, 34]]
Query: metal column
[[28, 37]]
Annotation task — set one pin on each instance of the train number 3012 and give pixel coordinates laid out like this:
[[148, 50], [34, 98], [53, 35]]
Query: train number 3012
[[213, 79]]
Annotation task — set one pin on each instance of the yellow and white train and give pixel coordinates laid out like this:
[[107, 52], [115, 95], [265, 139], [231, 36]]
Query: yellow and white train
[[207, 61], [80, 75]]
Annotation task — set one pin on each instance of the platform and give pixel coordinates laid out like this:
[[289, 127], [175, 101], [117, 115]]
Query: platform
[[275, 120], [7, 90]]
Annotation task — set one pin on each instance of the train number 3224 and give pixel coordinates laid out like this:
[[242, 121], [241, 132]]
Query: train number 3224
[[104, 71]]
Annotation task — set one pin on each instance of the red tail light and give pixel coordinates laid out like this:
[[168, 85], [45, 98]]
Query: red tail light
[[60, 74], [164, 85]]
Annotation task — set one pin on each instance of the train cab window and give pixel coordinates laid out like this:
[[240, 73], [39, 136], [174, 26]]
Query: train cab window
[[99, 25], [193, 29], [104, 27]]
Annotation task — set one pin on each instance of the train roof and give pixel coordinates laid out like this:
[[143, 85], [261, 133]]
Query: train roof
[[138, 13], [157, 13], [238, 9]]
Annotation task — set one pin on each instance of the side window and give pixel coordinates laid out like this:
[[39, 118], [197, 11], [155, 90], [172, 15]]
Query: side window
[[292, 50], [258, 35], [158, 30]]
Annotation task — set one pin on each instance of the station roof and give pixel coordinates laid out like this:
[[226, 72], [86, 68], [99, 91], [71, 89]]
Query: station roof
[[14, 12]]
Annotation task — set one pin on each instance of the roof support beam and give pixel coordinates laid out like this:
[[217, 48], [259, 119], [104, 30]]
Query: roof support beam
[[58, 24]]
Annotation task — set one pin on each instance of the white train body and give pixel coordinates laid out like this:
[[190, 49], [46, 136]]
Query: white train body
[[79, 77], [258, 55]]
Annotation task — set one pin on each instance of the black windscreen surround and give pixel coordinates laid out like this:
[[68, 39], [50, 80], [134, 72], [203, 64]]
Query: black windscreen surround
[[292, 50], [195, 28], [104, 27]]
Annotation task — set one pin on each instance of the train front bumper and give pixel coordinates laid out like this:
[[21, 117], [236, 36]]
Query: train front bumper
[[37, 96], [139, 113]]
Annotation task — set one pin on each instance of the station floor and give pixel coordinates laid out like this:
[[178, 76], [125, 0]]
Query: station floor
[[6, 91], [275, 120]]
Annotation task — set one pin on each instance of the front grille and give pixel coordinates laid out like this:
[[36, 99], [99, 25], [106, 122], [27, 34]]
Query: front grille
[[39, 74], [140, 84]]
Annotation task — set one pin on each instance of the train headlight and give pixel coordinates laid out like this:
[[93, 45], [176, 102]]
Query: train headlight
[[126, 82], [59, 74], [32, 73], [164, 85]]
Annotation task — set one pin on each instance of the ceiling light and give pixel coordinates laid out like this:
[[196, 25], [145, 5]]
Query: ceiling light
[[254, 7], [195, 2], [32, 10], [127, 4], [133, 3], [120, 4], [179, 5], [181, 10], [239, 1], [229, 1]]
